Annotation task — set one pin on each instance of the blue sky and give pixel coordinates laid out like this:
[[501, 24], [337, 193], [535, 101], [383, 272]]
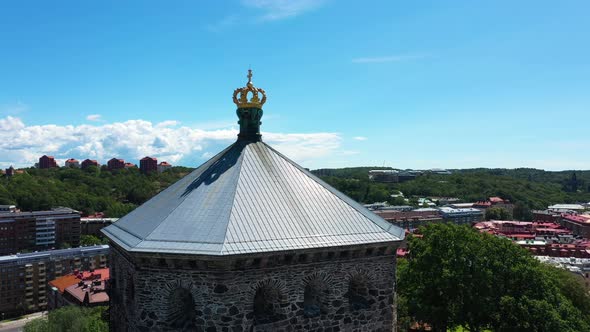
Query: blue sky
[[407, 84]]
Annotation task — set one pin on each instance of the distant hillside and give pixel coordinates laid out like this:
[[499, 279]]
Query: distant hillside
[[529, 188], [91, 190], [118, 192]]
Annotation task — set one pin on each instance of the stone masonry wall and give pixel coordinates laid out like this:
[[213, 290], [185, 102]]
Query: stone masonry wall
[[151, 298]]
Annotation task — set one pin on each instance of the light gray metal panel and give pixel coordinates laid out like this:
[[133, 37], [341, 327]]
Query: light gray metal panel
[[248, 199], [279, 206], [143, 220]]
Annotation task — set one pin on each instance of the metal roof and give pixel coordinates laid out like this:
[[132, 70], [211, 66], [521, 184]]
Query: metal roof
[[249, 198]]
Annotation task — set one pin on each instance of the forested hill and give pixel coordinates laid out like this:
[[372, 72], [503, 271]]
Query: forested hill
[[533, 188], [118, 192], [90, 190]]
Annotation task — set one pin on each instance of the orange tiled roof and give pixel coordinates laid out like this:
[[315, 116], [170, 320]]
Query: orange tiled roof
[[64, 282]]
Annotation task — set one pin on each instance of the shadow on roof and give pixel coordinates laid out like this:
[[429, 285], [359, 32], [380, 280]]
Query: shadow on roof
[[220, 166]]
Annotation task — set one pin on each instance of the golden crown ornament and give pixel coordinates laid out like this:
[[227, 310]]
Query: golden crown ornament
[[241, 95]]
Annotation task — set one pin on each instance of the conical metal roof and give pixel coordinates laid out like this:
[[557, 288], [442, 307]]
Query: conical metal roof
[[249, 199]]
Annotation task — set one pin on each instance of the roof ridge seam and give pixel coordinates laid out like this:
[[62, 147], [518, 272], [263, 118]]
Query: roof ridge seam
[[240, 163], [342, 196], [216, 158]]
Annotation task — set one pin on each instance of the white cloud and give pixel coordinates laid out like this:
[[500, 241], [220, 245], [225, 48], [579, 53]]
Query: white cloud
[[11, 123], [304, 148], [94, 117], [21, 145], [389, 58], [281, 9], [360, 138]]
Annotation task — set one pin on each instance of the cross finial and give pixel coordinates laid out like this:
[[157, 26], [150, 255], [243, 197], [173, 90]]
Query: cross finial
[[249, 75]]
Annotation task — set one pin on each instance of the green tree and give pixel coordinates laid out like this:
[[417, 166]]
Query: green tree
[[71, 319], [91, 240], [397, 201], [522, 212], [497, 213], [456, 276]]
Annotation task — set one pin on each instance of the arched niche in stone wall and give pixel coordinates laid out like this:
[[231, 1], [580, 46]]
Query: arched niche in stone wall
[[359, 283], [180, 306], [269, 301], [316, 294]]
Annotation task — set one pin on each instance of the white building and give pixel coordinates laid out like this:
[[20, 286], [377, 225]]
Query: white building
[[163, 166], [72, 163], [7, 208], [567, 208]]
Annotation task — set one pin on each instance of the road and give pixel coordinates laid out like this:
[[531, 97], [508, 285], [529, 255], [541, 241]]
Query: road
[[17, 325]]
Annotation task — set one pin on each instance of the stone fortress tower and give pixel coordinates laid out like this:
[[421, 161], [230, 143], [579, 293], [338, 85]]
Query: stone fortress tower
[[251, 241]]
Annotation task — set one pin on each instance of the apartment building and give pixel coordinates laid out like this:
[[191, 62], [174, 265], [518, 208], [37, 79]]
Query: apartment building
[[89, 162], [47, 162], [38, 230], [24, 277], [72, 163], [164, 166], [148, 165], [466, 216], [115, 164]]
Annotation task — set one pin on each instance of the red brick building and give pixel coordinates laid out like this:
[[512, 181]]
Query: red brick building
[[494, 202], [115, 164], [148, 165], [578, 224], [88, 162], [47, 162], [546, 216], [10, 171]]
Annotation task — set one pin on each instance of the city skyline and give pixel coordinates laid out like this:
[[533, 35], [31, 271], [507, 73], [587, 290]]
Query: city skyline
[[455, 85]]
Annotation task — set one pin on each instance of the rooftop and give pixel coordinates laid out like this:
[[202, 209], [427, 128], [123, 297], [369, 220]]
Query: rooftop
[[249, 199], [68, 280], [566, 207], [40, 255]]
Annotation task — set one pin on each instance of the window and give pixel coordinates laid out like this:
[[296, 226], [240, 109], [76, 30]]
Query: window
[[181, 309], [267, 303], [315, 296], [358, 293]]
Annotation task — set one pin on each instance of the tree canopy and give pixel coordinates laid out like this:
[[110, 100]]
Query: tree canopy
[[455, 277], [71, 319], [90, 190], [497, 213], [527, 188]]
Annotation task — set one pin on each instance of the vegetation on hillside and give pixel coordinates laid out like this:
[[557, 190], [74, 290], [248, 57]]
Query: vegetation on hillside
[[71, 319], [118, 192], [527, 188], [456, 277], [90, 190]]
